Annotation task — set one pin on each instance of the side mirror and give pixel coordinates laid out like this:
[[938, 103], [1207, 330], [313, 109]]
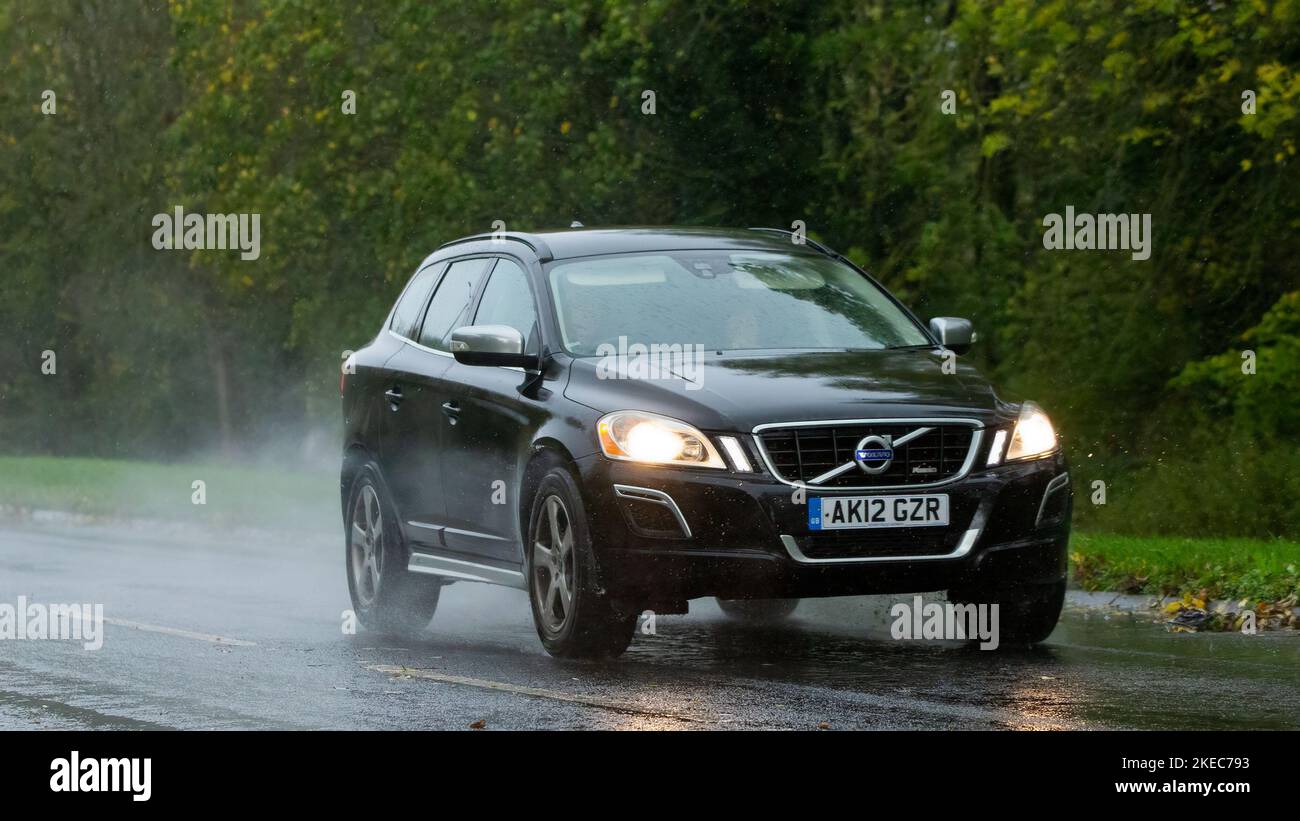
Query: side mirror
[[954, 333], [491, 345]]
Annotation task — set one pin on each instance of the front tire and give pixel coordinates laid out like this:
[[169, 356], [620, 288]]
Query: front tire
[[386, 597], [758, 611], [1027, 614], [575, 618]]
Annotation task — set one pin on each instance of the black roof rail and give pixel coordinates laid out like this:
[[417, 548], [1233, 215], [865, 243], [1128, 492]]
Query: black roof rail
[[536, 243], [809, 241]]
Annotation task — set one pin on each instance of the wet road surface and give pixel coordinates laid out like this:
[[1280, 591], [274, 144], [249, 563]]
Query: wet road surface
[[243, 631]]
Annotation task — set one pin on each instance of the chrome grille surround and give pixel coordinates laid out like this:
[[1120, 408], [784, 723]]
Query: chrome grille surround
[[864, 426]]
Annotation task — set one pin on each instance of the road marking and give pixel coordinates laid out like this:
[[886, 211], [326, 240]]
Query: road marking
[[535, 692], [175, 631]]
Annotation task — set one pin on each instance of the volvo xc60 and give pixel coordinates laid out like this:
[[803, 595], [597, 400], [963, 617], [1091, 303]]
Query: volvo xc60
[[624, 420]]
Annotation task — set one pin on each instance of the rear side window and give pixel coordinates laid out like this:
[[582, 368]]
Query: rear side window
[[412, 300], [507, 300], [451, 302]]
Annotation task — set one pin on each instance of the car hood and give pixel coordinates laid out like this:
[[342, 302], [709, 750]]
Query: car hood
[[737, 392]]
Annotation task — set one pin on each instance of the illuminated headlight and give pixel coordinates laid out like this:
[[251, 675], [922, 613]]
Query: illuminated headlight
[[1033, 434], [637, 436]]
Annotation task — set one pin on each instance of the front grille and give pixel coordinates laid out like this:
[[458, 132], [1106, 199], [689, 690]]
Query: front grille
[[804, 453]]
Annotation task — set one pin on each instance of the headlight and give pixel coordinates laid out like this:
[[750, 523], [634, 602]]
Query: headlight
[[637, 436], [1033, 434]]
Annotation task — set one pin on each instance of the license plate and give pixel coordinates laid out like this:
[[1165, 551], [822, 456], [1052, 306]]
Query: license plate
[[849, 512]]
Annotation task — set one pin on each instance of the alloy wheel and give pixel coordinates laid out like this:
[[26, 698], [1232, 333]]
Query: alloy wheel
[[367, 544], [553, 564]]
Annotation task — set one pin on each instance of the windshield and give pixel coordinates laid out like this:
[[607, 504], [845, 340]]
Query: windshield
[[724, 301]]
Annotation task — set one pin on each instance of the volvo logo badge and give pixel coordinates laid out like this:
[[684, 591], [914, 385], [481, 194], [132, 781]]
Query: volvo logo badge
[[874, 454]]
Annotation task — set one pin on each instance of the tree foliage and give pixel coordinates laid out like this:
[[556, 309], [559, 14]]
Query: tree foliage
[[535, 114]]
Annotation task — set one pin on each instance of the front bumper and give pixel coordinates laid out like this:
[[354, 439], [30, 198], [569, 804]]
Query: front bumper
[[749, 537]]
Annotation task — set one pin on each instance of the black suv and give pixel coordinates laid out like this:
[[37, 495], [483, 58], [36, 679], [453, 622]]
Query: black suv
[[623, 420]]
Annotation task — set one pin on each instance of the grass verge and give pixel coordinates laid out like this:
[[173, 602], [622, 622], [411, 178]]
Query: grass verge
[[1209, 568], [233, 495]]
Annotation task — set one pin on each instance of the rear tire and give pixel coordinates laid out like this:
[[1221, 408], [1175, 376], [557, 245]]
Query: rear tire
[[386, 597], [575, 618], [758, 611], [1027, 614]]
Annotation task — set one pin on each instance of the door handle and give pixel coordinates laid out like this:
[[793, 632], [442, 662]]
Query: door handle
[[394, 395], [452, 409]]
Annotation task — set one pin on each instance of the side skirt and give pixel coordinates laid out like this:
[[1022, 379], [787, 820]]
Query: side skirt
[[463, 570]]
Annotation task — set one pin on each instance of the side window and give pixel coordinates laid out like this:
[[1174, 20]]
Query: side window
[[412, 300], [451, 302], [507, 300]]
